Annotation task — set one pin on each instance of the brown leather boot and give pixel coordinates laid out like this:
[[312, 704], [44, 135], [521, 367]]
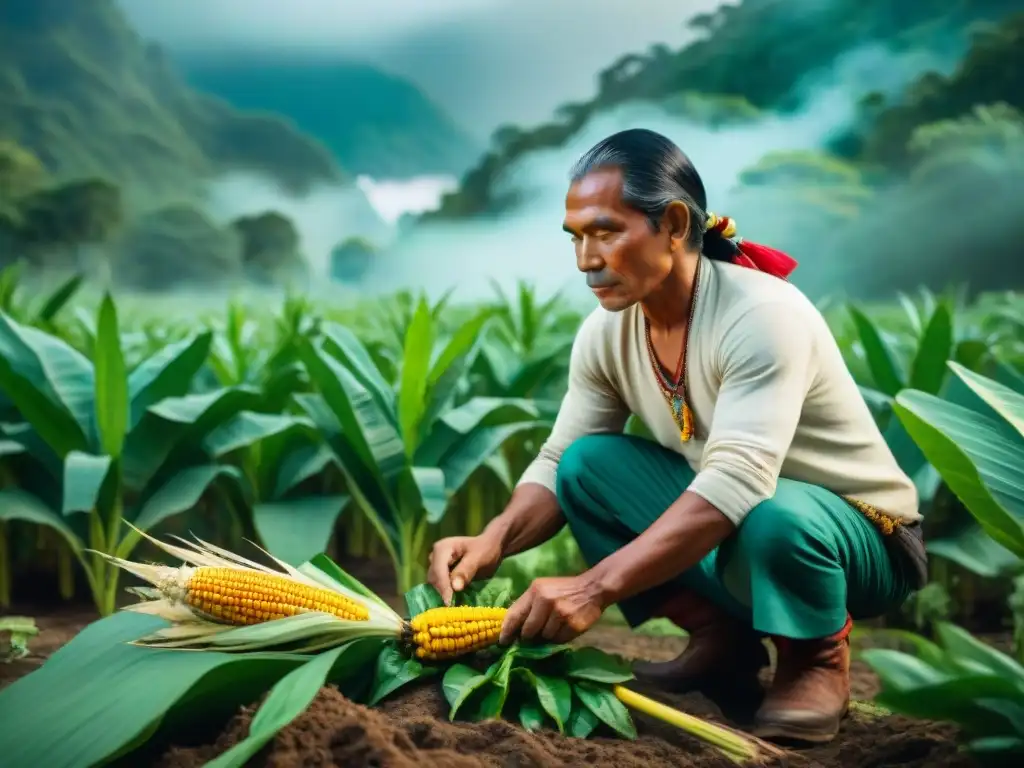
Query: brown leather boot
[[722, 658], [810, 694]]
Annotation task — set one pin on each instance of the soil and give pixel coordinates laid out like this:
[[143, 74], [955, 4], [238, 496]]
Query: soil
[[412, 729]]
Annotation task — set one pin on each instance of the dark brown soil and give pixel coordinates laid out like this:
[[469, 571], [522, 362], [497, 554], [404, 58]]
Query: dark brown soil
[[412, 730]]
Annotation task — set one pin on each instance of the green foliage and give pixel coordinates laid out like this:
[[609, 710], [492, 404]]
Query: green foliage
[[540, 685], [271, 252], [96, 667], [21, 172], [406, 449], [374, 123], [19, 630], [87, 96], [977, 447], [988, 74], [351, 259], [149, 256], [726, 64], [960, 680]]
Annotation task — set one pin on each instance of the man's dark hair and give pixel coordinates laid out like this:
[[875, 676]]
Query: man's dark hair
[[656, 173]]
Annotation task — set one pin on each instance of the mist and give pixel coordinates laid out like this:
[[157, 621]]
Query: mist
[[529, 243], [486, 62]]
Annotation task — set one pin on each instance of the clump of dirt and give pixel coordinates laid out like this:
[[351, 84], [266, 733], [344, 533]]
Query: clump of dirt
[[412, 731]]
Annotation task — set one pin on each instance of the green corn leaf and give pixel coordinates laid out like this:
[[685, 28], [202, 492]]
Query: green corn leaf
[[111, 381], [609, 710], [997, 746], [554, 694], [422, 598], [84, 476], [412, 393], [979, 463], [1001, 399], [54, 424], [16, 504], [459, 683], [290, 697], [167, 373], [880, 357], [541, 651], [295, 530], [181, 493], [489, 593], [962, 645], [531, 717], [928, 369], [975, 550], [59, 299], [248, 428], [394, 670], [597, 666], [99, 716], [582, 721], [902, 672]]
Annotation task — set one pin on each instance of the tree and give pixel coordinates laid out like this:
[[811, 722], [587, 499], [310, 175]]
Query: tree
[[351, 259], [270, 246], [55, 223], [177, 246], [21, 172]]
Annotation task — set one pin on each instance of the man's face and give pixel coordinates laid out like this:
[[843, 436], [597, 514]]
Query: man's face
[[623, 258]]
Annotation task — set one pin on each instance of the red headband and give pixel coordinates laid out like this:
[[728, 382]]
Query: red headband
[[752, 255]]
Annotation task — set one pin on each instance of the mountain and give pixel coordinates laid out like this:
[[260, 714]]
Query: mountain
[[86, 95], [760, 52], [375, 123]]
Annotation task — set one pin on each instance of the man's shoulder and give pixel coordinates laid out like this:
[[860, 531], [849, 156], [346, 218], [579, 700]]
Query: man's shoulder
[[752, 295]]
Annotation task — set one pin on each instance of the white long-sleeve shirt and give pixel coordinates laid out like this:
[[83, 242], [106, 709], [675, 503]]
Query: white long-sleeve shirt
[[770, 393]]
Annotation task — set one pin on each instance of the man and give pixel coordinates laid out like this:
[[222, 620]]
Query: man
[[769, 505]]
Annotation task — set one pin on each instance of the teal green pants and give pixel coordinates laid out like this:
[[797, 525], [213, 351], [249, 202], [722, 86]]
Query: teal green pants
[[796, 566]]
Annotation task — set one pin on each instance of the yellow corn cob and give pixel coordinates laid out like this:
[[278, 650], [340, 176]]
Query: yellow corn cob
[[236, 596], [445, 633]]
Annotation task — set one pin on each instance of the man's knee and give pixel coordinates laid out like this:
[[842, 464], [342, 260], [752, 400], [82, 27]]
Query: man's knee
[[585, 459], [775, 533]]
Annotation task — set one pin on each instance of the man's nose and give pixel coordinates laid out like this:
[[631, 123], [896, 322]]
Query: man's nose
[[587, 257]]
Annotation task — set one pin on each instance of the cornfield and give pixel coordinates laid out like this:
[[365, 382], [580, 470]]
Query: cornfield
[[370, 432]]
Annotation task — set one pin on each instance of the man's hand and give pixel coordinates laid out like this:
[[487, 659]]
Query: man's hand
[[555, 609], [474, 557]]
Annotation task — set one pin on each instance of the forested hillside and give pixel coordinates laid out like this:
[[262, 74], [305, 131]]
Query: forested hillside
[[755, 53], [374, 123]]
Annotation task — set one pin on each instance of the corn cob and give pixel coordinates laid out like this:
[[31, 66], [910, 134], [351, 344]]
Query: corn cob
[[237, 596], [446, 633]]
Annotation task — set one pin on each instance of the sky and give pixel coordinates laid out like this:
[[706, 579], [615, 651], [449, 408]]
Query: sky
[[487, 62]]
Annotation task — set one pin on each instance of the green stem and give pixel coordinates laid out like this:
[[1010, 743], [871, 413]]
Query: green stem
[[356, 534], [65, 571], [406, 560], [5, 568], [474, 506]]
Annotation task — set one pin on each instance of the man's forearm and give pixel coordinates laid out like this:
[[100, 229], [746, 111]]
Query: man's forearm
[[684, 534], [531, 517]]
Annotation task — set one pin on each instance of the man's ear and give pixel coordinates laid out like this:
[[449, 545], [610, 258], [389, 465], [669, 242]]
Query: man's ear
[[676, 222]]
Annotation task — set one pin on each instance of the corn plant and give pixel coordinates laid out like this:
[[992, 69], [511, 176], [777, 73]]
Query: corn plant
[[405, 453], [39, 313], [110, 445], [19, 629], [978, 449], [914, 355], [359, 642]]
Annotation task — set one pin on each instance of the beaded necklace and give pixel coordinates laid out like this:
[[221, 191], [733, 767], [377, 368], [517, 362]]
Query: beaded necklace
[[674, 389]]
